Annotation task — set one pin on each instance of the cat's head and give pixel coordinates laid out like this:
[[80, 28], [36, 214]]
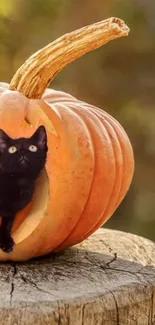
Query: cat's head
[[23, 155]]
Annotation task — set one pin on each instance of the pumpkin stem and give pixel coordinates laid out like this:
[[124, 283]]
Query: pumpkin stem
[[34, 76]]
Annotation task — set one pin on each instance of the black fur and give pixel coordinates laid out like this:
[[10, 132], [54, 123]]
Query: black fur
[[18, 172]]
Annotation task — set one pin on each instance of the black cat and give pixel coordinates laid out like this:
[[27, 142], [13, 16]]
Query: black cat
[[21, 161]]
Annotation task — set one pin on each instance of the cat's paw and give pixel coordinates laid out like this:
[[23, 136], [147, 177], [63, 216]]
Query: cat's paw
[[7, 244]]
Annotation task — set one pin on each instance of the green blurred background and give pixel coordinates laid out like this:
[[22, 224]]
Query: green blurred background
[[120, 77]]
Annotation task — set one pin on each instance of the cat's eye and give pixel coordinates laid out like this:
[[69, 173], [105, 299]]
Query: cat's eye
[[33, 148], [12, 149]]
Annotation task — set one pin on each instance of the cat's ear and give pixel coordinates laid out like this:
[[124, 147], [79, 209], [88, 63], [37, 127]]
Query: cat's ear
[[40, 137], [4, 138]]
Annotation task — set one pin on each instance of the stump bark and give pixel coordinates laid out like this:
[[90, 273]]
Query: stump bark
[[107, 280]]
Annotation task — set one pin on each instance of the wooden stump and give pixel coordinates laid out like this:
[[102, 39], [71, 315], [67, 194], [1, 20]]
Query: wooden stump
[[107, 280]]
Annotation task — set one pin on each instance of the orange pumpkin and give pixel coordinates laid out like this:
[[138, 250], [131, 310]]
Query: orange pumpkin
[[90, 159]]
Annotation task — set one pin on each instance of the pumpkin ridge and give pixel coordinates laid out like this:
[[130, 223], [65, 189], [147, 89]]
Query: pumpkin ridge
[[122, 191], [88, 198], [106, 215], [83, 218], [121, 134], [110, 127], [123, 143], [54, 237]]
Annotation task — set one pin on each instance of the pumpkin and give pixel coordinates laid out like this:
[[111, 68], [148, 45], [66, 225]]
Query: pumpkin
[[90, 159]]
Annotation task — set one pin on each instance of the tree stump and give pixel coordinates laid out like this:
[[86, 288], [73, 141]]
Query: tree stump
[[107, 280]]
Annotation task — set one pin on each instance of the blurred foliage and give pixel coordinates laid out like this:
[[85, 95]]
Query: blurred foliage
[[119, 77]]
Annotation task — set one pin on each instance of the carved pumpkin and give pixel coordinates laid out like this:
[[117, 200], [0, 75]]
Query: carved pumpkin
[[90, 159]]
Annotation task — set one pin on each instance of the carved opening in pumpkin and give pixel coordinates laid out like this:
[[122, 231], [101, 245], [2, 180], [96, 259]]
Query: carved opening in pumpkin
[[25, 225]]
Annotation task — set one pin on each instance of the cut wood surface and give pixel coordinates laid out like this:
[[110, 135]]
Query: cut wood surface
[[107, 280]]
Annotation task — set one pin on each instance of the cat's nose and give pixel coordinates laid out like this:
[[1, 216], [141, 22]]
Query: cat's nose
[[22, 153]]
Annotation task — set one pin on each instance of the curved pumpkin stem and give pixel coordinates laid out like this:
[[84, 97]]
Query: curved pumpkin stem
[[34, 76]]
